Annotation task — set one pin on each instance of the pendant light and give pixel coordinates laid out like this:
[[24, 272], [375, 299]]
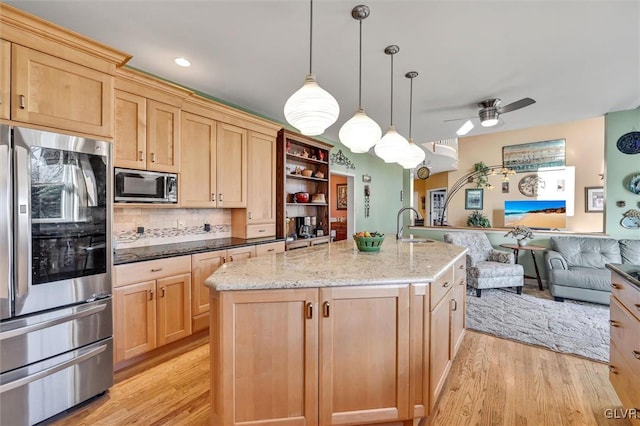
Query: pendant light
[[392, 143], [360, 132], [311, 109], [413, 155]]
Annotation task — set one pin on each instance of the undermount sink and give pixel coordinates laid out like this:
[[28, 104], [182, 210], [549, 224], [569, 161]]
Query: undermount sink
[[416, 240]]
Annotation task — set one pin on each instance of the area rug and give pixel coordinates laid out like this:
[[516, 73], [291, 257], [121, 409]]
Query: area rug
[[572, 327]]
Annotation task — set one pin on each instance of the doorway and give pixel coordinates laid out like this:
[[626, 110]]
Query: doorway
[[436, 199], [341, 211]]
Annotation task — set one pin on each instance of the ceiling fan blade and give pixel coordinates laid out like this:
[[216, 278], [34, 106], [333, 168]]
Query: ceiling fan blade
[[524, 102], [458, 119]]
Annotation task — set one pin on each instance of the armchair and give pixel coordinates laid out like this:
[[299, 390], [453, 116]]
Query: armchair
[[486, 266]]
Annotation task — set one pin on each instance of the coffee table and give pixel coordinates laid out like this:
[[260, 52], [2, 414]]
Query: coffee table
[[532, 249]]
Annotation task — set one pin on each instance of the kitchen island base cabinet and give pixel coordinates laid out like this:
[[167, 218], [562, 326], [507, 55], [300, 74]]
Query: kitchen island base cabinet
[[346, 347]]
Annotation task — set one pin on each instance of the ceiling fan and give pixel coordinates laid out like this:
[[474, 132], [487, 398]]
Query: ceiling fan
[[490, 111]]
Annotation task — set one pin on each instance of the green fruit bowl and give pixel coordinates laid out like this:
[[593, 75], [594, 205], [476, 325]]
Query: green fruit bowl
[[369, 243]]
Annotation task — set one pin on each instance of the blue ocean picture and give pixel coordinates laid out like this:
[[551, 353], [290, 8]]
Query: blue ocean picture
[[536, 213]]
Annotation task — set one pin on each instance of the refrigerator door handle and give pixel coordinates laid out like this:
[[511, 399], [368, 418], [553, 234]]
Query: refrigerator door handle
[[6, 260], [22, 211], [80, 312], [51, 370]]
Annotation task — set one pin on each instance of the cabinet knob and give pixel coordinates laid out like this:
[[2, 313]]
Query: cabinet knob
[[150, 294], [270, 249], [140, 156], [22, 102], [636, 354], [164, 291], [615, 286], [326, 309], [612, 369], [614, 323], [213, 197], [220, 197], [446, 284], [461, 266], [262, 230], [153, 157]]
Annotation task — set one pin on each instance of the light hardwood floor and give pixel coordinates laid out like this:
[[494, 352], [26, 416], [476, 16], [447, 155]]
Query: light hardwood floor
[[492, 382]]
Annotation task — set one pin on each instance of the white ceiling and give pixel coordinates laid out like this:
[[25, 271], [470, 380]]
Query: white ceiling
[[577, 59]]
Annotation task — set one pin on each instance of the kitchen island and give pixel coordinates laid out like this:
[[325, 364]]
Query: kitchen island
[[330, 335]]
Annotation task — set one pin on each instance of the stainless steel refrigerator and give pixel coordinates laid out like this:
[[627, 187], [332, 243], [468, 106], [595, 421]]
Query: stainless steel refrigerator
[[55, 273]]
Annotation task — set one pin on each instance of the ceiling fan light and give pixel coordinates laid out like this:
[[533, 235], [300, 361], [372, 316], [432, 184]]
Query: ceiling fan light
[[360, 132], [413, 156], [465, 128], [391, 146], [311, 109], [489, 117]]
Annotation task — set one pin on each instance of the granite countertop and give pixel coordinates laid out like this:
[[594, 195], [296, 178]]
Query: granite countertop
[[628, 271], [163, 251], [339, 264]]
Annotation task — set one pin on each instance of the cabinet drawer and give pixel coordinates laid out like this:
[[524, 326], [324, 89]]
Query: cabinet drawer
[[292, 245], [624, 378], [262, 249], [625, 332], [441, 286], [263, 230], [151, 270], [460, 271], [626, 294]]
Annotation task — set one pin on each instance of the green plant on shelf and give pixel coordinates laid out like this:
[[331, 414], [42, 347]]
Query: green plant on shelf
[[478, 220]]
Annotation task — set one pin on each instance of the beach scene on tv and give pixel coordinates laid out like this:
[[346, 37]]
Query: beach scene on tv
[[536, 213]]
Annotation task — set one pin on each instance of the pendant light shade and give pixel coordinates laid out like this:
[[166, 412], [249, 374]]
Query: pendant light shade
[[311, 109], [392, 143], [413, 154], [360, 132]]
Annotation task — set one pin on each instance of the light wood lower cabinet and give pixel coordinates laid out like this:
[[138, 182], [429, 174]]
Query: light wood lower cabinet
[[152, 306], [458, 311], [440, 353]]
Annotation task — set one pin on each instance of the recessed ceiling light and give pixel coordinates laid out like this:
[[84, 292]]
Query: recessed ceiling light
[[182, 62]]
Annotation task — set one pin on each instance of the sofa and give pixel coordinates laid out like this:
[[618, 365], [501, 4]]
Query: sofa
[[576, 266]]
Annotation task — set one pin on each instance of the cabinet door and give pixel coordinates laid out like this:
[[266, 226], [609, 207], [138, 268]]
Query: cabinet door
[[130, 137], [134, 316], [458, 314], [198, 148], [241, 253], [163, 137], [231, 166], [174, 308], [203, 265], [5, 80], [440, 357], [419, 354], [271, 340], [261, 179], [364, 354], [52, 92]]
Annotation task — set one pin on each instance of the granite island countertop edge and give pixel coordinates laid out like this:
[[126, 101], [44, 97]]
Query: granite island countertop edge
[[624, 270]]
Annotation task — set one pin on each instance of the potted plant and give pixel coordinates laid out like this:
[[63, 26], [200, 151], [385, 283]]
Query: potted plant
[[521, 234], [478, 220]]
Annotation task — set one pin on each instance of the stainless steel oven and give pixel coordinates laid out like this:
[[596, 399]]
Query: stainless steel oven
[[141, 186], [55, 272]]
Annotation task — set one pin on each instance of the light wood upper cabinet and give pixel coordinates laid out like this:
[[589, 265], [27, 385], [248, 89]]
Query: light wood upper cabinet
[[231, 166], [130, 147], [53, 92], [261, 179], [163, 137], [5, 79], [271, 340], [198, 177], [364, 354]]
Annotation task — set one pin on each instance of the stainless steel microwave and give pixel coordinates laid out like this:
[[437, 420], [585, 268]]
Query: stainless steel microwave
[[141, 186]]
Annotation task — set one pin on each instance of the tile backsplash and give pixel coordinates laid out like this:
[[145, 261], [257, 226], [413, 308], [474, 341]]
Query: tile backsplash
[[165, 226]]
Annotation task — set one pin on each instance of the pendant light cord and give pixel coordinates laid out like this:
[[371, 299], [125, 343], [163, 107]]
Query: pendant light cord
[[360, 70], [310, 35], [391, 90], [410, 105]]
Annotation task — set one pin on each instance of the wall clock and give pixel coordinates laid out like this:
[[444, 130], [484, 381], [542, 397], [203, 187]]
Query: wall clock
[[530, 184]]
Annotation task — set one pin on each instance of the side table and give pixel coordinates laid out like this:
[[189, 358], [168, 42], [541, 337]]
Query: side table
[[532, 249]]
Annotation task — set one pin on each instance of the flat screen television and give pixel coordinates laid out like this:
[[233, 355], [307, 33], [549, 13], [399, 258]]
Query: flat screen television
[[539, 214]]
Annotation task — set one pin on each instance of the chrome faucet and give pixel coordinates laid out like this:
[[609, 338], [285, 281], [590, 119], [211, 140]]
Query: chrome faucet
[[399, 228]]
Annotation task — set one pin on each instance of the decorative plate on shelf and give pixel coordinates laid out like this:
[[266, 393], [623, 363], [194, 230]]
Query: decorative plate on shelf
[[530, 184], [634, 184], [629, 143]]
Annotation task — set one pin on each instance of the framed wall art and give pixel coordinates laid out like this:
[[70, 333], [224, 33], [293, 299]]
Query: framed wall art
[[594, 199], [473, 199], [529, 157], [341, 197]]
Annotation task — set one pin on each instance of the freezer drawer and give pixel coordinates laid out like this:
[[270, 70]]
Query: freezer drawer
[[31, 339], [36, 392]]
